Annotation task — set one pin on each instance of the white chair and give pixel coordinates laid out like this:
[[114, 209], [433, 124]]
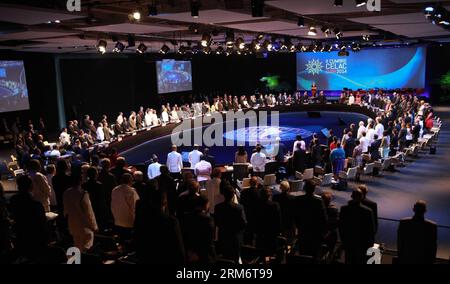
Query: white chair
[[327, 179], [386, 164], [319, 170], [245, 183], [350, 174], [308, 174], [296, 185], [270, 180], [368, 169]]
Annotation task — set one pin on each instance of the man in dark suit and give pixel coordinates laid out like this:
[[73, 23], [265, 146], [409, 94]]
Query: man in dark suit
[[357, 229], [198, 234], [299, 160], [249, 200], [209, 158], [286, 203], [268, 223], [311, 220], [280, 150], [97, 197], [369, 203], [157, 235], [120, 169], [349, 145], [187, 201], [229, 217], [165, 183], [417, 238], [30, 223], [375, 148]]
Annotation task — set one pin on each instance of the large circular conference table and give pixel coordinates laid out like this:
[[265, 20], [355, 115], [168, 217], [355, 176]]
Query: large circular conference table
[[136, 138]]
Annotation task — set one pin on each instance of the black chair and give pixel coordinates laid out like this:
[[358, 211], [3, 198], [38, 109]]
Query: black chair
[[240, 171], [271, 167]]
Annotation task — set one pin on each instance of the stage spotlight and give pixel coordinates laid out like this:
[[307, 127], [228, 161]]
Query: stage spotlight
[[152, 9], [366, 37], [292, 47], [256, 46], [326, 31], [338, 3], [338, 33], [429, 9], [135, 15], [219, 50], [260, 36], [312, 31], [240, 43], [101, 46], [343, 51], [229, 38], [301, 22], [206, 40], [119, 47], [268, 46], [164, 49], [182, 49], [360, 3], [207, 50], [195, 6], [257, 8], [355, 47], [142, 48]]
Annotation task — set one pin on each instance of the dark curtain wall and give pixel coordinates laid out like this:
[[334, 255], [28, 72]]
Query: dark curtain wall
[[240, 75], [40, 75], [438, 64], [108, 85]]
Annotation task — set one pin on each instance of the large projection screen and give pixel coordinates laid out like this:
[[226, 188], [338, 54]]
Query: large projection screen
[[13, 87], [174, 76], [387, 68]]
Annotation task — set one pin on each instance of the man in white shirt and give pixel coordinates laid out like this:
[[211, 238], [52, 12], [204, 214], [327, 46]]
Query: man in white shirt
[[258, 161], [370, 134], [351, 99], [194, 156], [123, 204], [55, 152], [148, 118], [155, 120], [153, 170], [64, 137], [100, 133], [119, 119], [379, 128], [299, 141], [41, 190], [361, 129], [364, 143], [174, 162], [203, 171]]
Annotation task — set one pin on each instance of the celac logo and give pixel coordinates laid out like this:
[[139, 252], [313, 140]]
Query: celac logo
[[73, 5], [314, 66], [373, 5]]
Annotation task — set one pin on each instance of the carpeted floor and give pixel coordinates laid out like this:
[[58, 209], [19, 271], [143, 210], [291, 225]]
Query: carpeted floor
[[427, 178]]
